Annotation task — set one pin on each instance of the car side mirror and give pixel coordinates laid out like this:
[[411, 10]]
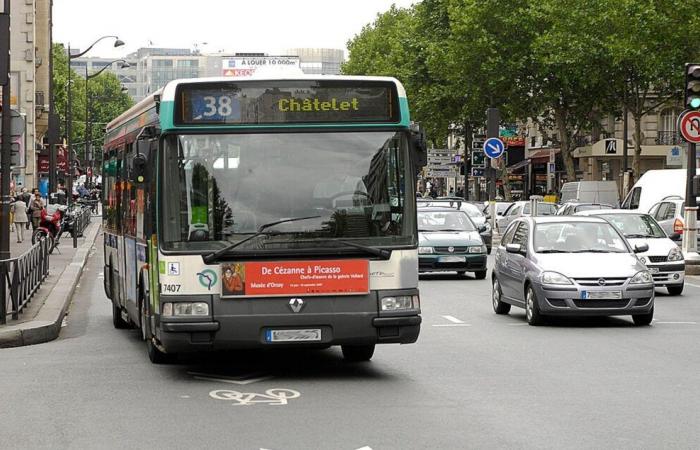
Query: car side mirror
[[514, 248], [641, 248], [482, 228], [676, 237]]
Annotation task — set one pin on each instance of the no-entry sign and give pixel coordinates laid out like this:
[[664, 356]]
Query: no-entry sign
[[689, 124]]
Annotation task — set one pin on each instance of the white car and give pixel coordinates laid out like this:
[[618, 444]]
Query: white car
[[663, 259]]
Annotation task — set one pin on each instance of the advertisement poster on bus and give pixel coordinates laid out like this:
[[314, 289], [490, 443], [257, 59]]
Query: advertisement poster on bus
[[245, 67], [283, 278]]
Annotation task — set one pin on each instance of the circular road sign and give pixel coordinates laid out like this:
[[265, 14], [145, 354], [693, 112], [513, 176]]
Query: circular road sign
[[690, 126], [494, 148]]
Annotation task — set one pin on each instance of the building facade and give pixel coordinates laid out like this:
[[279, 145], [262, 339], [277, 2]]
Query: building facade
[[319, 61], [29, 88]]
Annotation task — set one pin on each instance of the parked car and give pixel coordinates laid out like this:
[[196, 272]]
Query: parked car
[[570, 266], [653, 186], [522, 208], [501, 208], [472, 211], [571, 208], [663, 258], [590, 192], [449, 241]]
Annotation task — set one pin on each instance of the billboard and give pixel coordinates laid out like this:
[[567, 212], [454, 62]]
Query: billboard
[[248, 66]]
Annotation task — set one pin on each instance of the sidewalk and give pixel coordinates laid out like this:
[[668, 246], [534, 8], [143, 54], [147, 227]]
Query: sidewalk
[[41, 319]]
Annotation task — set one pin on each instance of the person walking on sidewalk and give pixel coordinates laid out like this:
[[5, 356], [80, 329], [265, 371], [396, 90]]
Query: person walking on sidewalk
[[37, 205], [19, 209]]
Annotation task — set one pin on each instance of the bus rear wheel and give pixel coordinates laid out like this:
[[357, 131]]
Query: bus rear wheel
[[357, 353]]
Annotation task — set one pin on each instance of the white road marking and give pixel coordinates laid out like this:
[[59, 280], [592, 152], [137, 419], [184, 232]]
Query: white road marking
[[365, 448], [676, 323], [273, 396], [453, 319], [239, 380], [452, 325], [694, 285], [184, 396]]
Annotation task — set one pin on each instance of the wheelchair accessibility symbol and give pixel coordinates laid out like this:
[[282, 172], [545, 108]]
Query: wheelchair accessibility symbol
[[273, 397]]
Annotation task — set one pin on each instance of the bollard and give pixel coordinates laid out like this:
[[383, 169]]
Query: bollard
[[690, 230], [534, 200]]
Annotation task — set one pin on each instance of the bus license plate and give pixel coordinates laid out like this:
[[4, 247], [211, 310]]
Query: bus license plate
[[309, 335], [601, 295]]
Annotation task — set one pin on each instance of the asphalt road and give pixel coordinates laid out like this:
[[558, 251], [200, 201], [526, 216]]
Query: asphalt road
[[473, 380]]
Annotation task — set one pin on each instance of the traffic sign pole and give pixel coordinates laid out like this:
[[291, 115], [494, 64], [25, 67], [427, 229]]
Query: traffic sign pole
[[493, 121], [5, 172]]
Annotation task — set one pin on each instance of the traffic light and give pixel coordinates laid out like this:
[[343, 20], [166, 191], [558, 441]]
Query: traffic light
[[692, 86]]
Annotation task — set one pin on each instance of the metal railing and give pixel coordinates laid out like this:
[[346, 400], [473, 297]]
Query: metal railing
[[20, 278], [667, 138], [82, 219]]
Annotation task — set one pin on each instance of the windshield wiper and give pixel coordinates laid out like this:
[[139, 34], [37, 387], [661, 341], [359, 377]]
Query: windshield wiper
[[380, 252], [593, 250], [213, 256], [552, 250], [633, 236]]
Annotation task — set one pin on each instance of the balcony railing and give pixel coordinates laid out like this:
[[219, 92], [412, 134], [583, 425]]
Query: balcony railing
[[667, 138]]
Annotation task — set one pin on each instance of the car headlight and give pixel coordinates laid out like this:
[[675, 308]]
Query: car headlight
[[675, 254], [185, 309], [478, 249], [425, 250], [554, 278], [400, 302], [642, 277]]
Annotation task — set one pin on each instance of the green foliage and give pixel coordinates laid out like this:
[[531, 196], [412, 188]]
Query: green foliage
[[106, 101], [564, 63]]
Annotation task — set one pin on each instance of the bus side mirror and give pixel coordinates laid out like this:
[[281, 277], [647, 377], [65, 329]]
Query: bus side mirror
[[419, 148]]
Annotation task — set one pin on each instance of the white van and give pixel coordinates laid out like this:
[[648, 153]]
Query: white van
[[653, 186], [590, 192]]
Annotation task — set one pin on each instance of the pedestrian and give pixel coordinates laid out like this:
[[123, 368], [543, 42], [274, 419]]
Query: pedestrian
[[26, 196], [19, 209], [37, 206]]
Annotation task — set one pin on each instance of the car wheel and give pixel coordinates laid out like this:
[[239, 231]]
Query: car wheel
[[532, 308], [488, 250], [480, 275], [676, 290], [643, 319], [357, 353], [499, 307]]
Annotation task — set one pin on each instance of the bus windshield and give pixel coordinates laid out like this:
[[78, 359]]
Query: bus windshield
[[219, 189]]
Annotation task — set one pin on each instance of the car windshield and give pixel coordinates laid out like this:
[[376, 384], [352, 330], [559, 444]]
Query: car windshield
[[444, 221], [219, 189], [636, 225], [578, 237], [590, 207], [543, 209]]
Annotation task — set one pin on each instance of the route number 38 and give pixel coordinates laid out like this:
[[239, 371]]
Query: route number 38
[[221, 106]]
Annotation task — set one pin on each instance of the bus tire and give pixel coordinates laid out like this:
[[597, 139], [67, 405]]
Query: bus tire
[[117, 321], [156, 355], [357, 353]]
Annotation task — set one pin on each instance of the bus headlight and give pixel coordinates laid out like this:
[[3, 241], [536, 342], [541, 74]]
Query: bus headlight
[[185, 309], [400, 302]]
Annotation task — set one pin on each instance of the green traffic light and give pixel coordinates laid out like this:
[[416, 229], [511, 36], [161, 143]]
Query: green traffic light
[[695, 102]]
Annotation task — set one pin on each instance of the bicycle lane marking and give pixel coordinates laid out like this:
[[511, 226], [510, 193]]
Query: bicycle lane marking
[[272, 397]]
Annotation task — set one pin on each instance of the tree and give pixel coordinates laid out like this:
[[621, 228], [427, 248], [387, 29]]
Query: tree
[[106, 101], [648, 44]]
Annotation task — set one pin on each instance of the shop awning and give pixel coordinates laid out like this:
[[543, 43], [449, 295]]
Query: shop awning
[[542, 156], [519, 165]]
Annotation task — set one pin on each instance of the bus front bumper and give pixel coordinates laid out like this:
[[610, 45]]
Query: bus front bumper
[[239, 332]]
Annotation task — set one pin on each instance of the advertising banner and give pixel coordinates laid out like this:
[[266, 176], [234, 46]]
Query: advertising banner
[[244, 67], [285, 278]]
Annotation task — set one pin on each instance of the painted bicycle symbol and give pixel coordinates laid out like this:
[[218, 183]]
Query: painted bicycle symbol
[[271, 396]]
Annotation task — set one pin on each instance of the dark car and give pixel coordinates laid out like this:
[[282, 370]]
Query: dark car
[[472, 210]]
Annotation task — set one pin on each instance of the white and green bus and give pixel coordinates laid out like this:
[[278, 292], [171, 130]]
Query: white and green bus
[[264, 213]]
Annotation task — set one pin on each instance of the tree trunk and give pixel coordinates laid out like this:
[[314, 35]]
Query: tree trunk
[[565, 144], [636, 159], [503, 174]]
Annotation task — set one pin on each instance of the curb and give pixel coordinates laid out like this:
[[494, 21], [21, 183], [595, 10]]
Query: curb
[[47, 324]]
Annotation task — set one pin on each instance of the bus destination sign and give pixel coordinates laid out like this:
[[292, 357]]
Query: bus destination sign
[[254, 103]]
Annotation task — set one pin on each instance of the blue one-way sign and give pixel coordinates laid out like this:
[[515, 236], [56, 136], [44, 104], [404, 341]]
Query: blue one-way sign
[[494, 148]]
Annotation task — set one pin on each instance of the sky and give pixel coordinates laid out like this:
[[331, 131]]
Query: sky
[[268, 26]]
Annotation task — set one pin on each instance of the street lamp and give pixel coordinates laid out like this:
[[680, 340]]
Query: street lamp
[[88, 128], [117, 43]]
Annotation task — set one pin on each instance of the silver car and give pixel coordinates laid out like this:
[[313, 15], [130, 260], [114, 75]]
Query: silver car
[[570, 266], [522, 208]]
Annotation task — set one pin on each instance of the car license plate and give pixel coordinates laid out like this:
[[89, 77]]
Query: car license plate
[[601, 295], [309, 335], [452, 259], [654, 270]]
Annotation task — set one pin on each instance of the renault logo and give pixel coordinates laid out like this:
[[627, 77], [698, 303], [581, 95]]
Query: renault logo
[[601, 281], [296, 304]]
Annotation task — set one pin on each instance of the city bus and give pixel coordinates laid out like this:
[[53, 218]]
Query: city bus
[[264, 213]]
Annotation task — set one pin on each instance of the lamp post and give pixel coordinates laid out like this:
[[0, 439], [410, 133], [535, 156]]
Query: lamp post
[[88, 128], [69, 126]]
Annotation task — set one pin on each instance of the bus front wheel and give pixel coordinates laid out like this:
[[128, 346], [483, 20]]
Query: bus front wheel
[[357, 353]]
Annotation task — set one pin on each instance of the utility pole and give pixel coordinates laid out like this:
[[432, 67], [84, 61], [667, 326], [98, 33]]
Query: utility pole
[[493, 121], [467, 157], [54, 122], [6, 153]]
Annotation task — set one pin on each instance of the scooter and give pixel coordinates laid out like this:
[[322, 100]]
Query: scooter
[[52, 225]]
